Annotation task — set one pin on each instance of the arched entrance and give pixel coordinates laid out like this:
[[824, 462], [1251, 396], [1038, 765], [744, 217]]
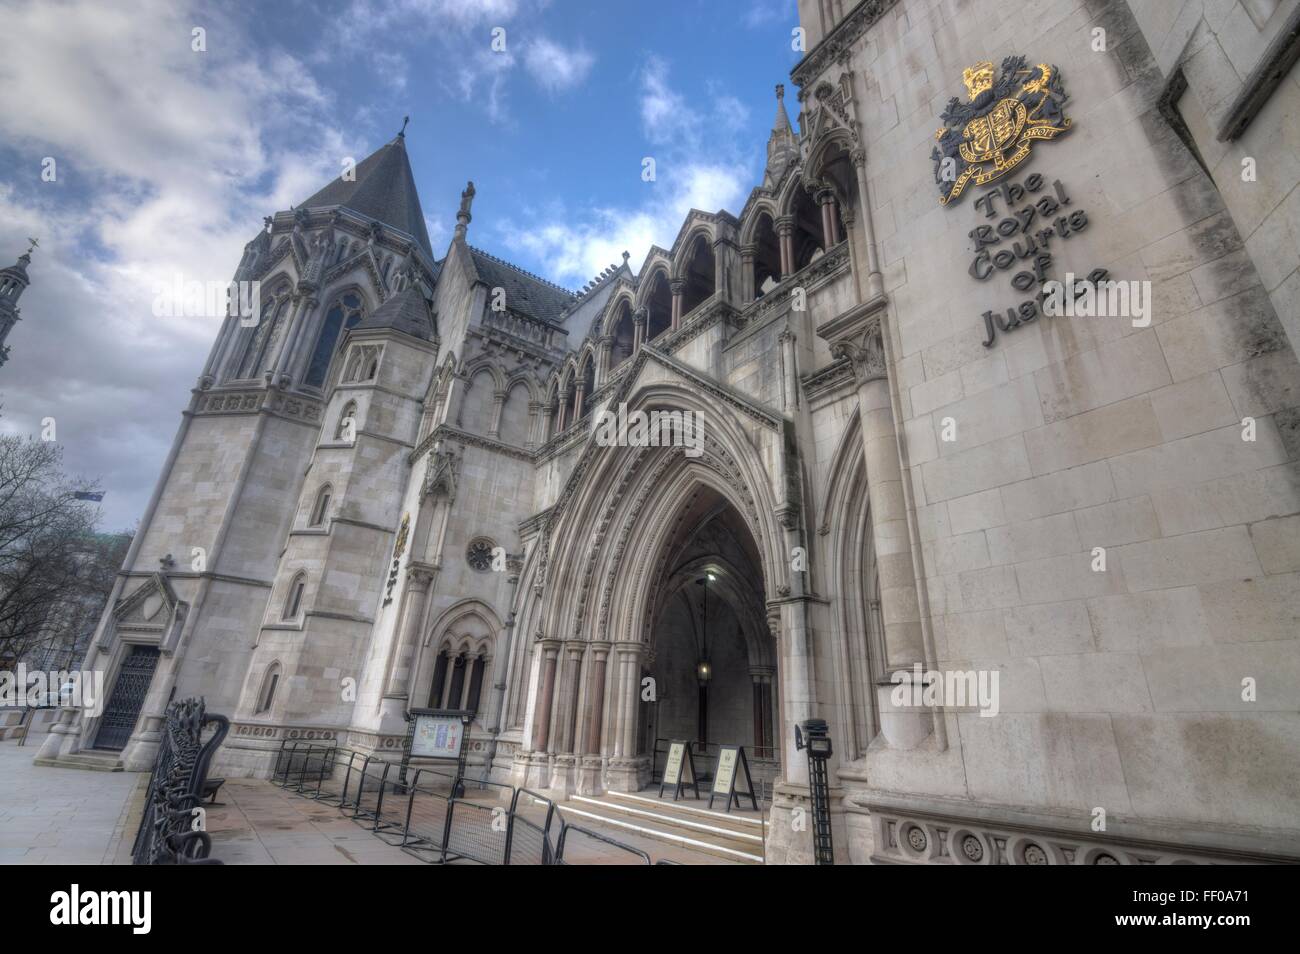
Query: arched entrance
[[712, 656]]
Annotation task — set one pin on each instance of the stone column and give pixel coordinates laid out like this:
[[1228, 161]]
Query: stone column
[[785, 237], [397, 687], [589, 772], [677, 286], [830, 224], [606, 353], [498, 402], [748, 285], [875, 281], [561, 419], [624, 767], [790, 373], [899, 605], [580, 392], [639, 319], [535, 421], [564, 775], [545, 694]]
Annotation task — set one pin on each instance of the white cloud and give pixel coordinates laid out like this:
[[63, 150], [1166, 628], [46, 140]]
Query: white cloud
[[696, 168], [167, 160], [555, 68]]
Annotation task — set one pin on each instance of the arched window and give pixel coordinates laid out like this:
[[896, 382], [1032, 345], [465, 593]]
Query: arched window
[[697, 272], [347, 426], [320, 510], [269, 684], [255, 349], [659, 307], [293, 601], [623, 333], [458, 680], [343, 314], [439, 677]]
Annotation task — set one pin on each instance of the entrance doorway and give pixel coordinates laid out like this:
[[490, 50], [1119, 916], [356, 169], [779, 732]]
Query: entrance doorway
[[714, 661], [124, 704]]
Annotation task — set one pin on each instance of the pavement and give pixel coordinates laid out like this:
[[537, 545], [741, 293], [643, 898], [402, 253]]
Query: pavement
[[77, 817]]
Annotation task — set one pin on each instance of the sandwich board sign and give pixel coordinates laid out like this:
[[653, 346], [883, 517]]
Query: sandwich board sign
[[731, 759], [679, 770]]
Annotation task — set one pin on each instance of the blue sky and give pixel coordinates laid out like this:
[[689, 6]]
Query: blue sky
[[166, 159]]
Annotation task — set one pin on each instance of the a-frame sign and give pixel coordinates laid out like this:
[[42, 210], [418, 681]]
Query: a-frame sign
[[730, 759], [680, 764]]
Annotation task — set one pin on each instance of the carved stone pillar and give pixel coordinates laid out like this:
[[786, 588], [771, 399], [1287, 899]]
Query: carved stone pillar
[[535, 421], [625, 769], [596, 696], [579, 393], [748, 283], [561, 419], [639, 319], [830, 218], [606, 353], [785, 237], [418, 578], [498, 402], [790, 374], [545, 694], [900, 606], [677, 286]]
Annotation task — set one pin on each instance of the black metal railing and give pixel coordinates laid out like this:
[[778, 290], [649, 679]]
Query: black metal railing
[[171, 827], [439, 816]]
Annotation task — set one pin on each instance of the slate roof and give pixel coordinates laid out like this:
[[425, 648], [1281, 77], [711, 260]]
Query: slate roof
[[384, 190], [406, 311], [525, 292]]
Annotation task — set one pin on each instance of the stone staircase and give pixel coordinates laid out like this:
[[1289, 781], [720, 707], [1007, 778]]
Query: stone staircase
[[687, 824]]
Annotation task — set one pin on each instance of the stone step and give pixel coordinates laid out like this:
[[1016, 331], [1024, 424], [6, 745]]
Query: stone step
[[93, 761], [694, 829]]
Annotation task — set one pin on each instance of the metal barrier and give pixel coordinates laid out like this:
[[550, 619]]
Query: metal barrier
[[168, 833], [531, 837], [437, 815], [586, 835]]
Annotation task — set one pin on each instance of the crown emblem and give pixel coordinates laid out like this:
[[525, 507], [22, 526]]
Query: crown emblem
[[978, 78], [983, 141]]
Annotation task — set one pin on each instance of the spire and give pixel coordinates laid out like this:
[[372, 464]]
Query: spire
[[782, 121], [13, 282], [782, 146], [383, 189], [462, 216]]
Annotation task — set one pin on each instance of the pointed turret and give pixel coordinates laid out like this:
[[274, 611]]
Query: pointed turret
[[383, 189], [782, 146], [13, 282]]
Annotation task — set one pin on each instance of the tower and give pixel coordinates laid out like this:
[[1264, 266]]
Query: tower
[[190, 604], [13, 282]]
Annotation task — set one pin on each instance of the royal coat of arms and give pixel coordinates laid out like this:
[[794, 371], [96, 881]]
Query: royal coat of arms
[[990, 134]]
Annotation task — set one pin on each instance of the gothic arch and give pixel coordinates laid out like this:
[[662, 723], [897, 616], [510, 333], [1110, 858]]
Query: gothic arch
[[625, 482], [469, 625], [763, 206]]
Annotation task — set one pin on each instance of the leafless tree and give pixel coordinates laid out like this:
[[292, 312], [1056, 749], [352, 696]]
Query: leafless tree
[[55, 570]]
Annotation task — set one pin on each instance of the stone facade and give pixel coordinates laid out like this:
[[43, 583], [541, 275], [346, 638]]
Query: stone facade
[[1102, 513]]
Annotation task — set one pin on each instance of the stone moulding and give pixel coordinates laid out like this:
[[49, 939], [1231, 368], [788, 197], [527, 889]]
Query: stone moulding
[[910, 836], [837, 44]]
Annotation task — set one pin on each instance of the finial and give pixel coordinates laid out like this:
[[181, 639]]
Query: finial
[[780, 91], [401, 133], [463, 217], [626, 256], [32, 246]]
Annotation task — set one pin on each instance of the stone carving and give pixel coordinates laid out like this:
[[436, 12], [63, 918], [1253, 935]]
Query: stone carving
[[866, 353]]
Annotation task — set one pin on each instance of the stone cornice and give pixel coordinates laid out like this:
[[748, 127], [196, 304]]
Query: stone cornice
[[835, 46]]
